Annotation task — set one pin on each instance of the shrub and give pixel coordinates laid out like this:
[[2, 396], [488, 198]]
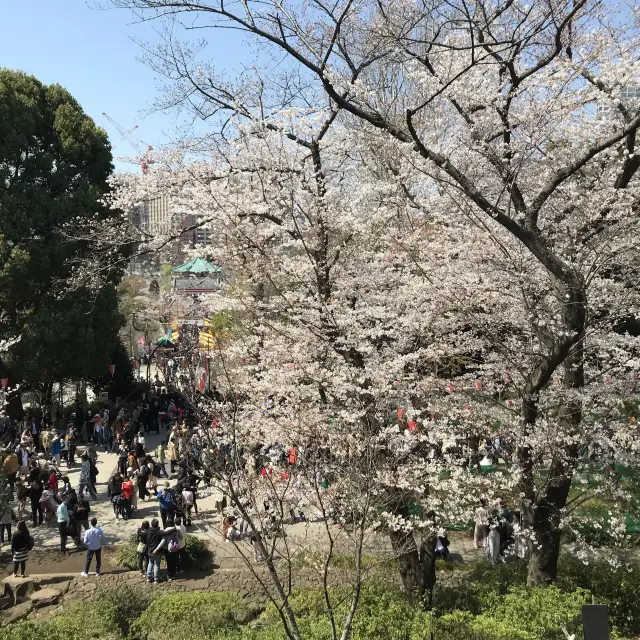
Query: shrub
[[80, 621], [522, 614], [192, 616], [484, 583], [618, 589], [199, 555], [382, 613]]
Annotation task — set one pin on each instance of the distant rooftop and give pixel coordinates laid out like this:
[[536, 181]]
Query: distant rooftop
[[197, 265]]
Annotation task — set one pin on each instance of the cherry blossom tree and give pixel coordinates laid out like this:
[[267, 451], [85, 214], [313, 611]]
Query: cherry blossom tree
[[509, 126]]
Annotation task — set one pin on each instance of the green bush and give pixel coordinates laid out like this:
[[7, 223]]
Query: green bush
[[618, 589], [199, 556], [382, 613], [522, 614], [482, 585], [192, 616], [108, 618]]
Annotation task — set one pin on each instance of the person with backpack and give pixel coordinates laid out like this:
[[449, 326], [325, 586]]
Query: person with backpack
[[167, 506], [170, 545], [21, 544], [115, 491]]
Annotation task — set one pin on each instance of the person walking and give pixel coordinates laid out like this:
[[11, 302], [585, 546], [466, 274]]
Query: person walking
[[153, 539], [161, 458], [35, 493], [172, 454], [6, 518], [71, 447], [126, 497], [85, 478], [81, 515], [21, 544], [56, 450], [93, 538], [63, 523]]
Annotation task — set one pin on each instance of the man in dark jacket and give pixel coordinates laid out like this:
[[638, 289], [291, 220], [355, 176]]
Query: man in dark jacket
[[153, 540]]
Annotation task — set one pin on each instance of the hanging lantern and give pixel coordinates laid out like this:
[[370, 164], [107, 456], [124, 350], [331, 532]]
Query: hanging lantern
[[412, 426], [135, 364], [478, 385], [5, 382], [185, 364], [202, 384], [112, 369], [162, 363], [450, 388]]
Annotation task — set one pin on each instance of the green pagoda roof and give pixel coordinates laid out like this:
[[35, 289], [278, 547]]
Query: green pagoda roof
[[197, 265]]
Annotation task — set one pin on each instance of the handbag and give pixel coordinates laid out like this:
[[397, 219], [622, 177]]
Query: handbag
[[140, 548]]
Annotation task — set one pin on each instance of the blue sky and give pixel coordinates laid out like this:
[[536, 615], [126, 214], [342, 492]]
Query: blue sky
[[92, 53]]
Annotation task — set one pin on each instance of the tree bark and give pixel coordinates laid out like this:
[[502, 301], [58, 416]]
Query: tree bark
[[417, 566], [543, 515]]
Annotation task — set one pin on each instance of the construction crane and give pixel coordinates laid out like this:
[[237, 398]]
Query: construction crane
[[145, 160]]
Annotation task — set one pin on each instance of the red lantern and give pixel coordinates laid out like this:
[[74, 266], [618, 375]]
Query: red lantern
[[412, 426], [5, 382], [450, 388], [112, 369], [478, 385]]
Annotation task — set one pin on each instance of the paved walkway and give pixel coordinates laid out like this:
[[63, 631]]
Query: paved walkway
[[301, 537]]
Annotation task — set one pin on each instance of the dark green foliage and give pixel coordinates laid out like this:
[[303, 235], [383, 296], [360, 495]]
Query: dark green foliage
[[617, 588], [122, 384], [54, 166]]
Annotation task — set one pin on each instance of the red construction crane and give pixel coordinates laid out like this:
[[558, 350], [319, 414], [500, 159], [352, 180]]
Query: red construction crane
[[145, 159]]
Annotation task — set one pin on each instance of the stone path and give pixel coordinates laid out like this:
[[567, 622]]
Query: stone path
[[301, 537]]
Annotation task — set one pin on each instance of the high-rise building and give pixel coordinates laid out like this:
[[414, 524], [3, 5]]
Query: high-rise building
[[629, 97]]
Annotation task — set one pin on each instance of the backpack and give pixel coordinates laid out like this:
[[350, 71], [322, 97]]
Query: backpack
[[173, 545]]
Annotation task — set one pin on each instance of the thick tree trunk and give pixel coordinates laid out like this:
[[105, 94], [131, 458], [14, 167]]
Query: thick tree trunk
[[417, 566], [543, 516], [544, 521]]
